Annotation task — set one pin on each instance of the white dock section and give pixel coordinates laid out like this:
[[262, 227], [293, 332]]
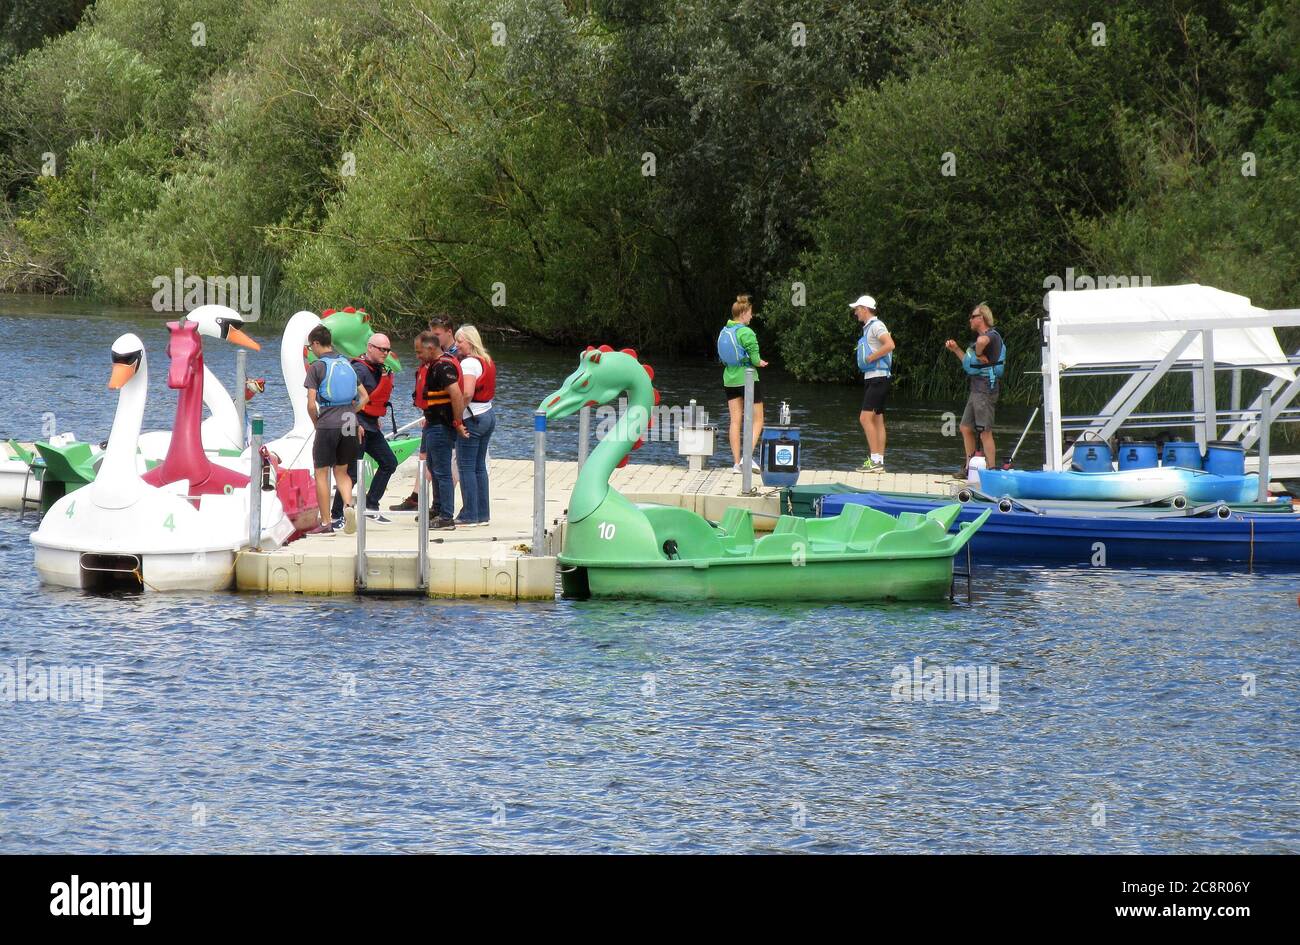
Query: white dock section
[[496, 560]]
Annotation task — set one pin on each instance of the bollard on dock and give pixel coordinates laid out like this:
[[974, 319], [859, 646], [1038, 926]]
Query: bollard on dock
[[359, 503], [1265, 423], [422, 527], [241, 382], [746, 435], [539, 483], [584, 434], [255, 485]]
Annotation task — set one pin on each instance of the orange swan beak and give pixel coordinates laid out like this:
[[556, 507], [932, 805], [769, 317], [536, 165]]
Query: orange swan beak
[[121, 374], [235, 336]]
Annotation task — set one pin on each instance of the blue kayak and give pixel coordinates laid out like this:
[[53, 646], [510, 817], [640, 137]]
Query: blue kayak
[[1021, 532], [1129, 485]]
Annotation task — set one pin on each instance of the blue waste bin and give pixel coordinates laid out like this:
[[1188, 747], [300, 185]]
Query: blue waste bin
[[780, 456]]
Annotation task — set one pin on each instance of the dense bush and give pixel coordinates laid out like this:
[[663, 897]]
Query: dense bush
[[619, 170]]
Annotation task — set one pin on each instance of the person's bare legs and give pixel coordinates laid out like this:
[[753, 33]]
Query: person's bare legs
[[323, 493], [968, 441], [343, 481], [736, 406], [873, 425], [758, 425], [986, 439]]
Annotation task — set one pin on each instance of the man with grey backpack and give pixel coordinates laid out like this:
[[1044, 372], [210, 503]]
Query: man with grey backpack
[[334, 396]]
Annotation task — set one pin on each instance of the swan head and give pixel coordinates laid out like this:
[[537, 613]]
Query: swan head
[[128, 358], [218, 321]]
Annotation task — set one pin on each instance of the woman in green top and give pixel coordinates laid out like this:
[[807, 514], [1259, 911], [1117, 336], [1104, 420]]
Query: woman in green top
[[733, 380]]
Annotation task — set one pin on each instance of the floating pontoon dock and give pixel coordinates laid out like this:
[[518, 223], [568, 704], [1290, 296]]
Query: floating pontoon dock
[[497, 560]]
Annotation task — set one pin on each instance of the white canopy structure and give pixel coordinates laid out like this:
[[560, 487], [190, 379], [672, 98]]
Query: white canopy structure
[[1146, 331], [1152, 305]]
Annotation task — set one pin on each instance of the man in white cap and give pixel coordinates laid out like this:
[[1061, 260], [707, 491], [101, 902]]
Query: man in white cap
[[875, 361]]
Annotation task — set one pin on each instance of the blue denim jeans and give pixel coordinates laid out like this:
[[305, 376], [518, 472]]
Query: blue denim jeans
[[471, 460], [436, 444]]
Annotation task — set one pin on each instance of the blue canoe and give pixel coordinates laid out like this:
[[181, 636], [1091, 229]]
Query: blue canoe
[[1015, 531], [1129, 485]]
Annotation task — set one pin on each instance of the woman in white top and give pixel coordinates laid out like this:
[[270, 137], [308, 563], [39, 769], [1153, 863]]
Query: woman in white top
[[478, 380]]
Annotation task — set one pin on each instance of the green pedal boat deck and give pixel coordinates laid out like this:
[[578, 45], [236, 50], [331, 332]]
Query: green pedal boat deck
[[670, 553], [615, 548]]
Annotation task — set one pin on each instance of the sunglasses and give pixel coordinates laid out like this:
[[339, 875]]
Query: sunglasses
[[377, 348]]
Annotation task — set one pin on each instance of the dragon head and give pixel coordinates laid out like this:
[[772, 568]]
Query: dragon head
[[350, 331], [602, 375]]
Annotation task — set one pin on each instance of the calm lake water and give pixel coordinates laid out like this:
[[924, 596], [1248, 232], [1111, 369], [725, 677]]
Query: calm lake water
[[1135, 710]]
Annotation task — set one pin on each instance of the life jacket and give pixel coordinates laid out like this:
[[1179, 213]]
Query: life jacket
[[993, 371], [440, 398], [420, 374], [730, 351], [377, 405], [486, 385], [338, 388], [885, 364]]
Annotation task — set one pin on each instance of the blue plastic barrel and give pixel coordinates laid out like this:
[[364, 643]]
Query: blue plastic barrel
[[1225, 459], [1184, 454], [1092, 456], [780, 456], [1138, 455]]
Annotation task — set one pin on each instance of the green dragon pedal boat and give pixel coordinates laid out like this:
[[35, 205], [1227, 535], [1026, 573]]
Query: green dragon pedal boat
[[616, 548]]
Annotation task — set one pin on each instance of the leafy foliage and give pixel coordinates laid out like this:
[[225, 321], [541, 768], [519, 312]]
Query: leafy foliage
[[619, 169]]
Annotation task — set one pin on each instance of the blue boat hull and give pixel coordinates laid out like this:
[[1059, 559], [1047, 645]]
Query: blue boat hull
[[1266, 538]]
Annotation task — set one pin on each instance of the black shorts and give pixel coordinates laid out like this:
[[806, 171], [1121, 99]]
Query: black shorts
[[734, 393], [333, 447], [875, 392]]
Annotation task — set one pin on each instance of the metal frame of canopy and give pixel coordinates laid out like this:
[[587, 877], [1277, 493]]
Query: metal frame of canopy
[[1248, 426]]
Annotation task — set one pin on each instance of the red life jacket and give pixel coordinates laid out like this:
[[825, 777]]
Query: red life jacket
[[437, 398], [377, 405], [421, 373], [486, 385]]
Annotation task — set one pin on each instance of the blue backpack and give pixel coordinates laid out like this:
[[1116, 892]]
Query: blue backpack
[[339, 386], [730, 351], [992, 371], [885, 364]]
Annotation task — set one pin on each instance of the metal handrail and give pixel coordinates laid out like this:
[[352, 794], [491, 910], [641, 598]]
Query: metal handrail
[[1179, 367], [1194, 415]]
